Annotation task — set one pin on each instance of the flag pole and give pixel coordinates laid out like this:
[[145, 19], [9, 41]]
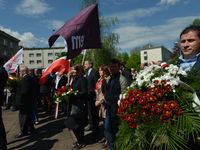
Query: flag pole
[[83, 58]]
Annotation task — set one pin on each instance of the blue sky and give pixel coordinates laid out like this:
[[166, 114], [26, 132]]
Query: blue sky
[[140, 21]]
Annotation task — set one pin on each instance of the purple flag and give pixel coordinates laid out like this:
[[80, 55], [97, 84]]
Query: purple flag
[[80, 32]]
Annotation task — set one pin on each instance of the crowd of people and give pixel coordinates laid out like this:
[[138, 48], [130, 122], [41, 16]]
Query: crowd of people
[[96, 102]]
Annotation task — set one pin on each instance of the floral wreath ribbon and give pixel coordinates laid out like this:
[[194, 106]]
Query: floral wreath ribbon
[[195, 98]]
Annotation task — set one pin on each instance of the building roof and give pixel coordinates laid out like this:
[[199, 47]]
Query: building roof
[[9, 36], [43, 48], [148, 48]]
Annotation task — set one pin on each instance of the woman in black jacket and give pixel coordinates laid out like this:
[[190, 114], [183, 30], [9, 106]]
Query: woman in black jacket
[[77, 123]]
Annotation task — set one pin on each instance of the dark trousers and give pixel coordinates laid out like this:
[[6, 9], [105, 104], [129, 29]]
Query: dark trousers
[[26, 118], [92, 113], [3, 141], [79, 133]]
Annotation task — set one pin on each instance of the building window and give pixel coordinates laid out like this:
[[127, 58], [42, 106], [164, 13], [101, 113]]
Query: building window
[[23, 55], [50, 54], [145, 52], [31, 62], [39, 61], [50, 61], [11, 45], [31, 55], [145, 58], [56, 54], [22, 62], [5, 42], [38, 54], [5, 53]]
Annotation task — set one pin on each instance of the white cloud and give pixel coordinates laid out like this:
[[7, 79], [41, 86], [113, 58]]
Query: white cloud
[[32, 8], [54, 24], [186, 1], [168, 2], [27, 39], [132, 35], [2, 4], [138, 13]]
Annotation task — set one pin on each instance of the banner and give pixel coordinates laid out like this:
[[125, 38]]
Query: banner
[[13, 63], [80, 32]]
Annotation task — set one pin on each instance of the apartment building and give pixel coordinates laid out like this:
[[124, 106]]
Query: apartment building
[[157, 53], [9, 45], [40, 57]]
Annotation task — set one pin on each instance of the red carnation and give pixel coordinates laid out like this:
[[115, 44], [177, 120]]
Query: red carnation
[[151, 98], [132, 125], [63, 88], [178, 111], [164, 118], [163, 89], [167, 112], [172, 104], [128, 117], [163, 82], [159, 94], [148, 93], [164, 104], [145, 105], [169, 87], [138, 93], [8, 79], [156, 88], [158, 109], [143, 113], [135, 113], [142, 100], [156, 81]]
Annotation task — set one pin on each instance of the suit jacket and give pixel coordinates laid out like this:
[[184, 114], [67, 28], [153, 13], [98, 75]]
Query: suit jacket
[[25, 90], [62, 82], [92, 80], [46, 87], [119, 86], [3, 79], [127, 74]]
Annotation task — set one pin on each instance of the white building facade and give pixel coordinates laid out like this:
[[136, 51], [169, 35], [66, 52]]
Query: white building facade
[[40, 57], [158, 53]]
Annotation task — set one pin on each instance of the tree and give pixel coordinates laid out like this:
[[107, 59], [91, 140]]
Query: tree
[[196, 22], [136, 50], [123, 57], [176, 50], [134, 61], [109, 40]]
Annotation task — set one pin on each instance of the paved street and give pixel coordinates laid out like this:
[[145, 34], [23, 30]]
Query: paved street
[[47, 135]]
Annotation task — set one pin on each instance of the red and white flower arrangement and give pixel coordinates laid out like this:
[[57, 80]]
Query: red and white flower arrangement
[[156, 110]]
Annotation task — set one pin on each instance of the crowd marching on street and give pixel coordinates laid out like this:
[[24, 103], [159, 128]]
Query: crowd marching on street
[[97, 94]]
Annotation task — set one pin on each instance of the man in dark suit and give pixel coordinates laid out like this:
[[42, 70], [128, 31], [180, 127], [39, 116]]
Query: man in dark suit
[[190, 58], [25, 94], [92, 77], [3, 80]]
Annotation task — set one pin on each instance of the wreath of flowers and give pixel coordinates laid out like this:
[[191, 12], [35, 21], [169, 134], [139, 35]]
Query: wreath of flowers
[[12, 82], [63, 94], [155, 111]]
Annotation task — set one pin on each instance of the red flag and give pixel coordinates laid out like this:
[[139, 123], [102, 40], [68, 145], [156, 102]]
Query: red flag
[[80, 32], [61, 65]]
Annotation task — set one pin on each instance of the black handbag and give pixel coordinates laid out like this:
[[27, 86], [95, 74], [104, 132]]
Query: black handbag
[[76, 109]]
